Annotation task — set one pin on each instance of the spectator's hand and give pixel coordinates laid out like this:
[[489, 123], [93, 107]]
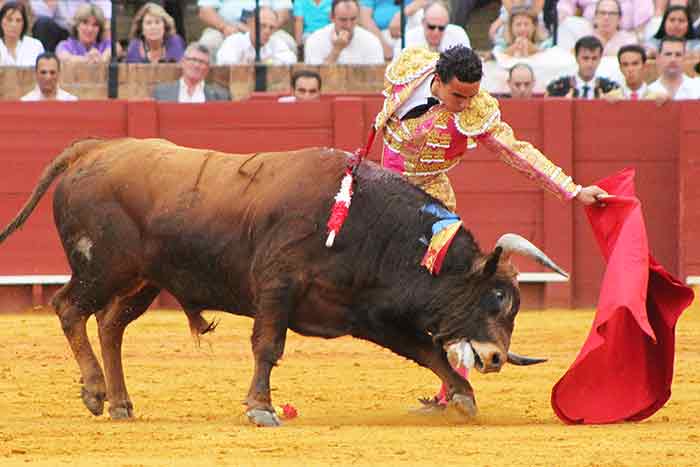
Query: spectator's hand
[[229, 29], [522, 46], [592, 194], [661, 99], [610, 98], [93, 56], [340, 40]]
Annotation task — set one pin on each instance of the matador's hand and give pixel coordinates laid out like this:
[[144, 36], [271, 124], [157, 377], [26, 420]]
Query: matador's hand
[[592, 194]]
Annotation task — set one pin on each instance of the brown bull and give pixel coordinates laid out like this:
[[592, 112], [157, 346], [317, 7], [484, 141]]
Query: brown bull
[[245, 234]]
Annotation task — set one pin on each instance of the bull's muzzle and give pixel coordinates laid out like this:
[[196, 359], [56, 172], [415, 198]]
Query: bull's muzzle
[[484, 356]]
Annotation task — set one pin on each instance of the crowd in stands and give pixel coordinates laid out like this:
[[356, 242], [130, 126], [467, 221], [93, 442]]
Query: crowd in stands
[[591, 49]]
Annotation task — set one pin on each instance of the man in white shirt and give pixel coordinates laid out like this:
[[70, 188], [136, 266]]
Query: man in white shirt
[[306, 87], [631, 58], [191, 88], [521, 81], [225, 17], [435, 32], [239, 48], [584, 84], [47, 71], [672, 81], [343, 42]]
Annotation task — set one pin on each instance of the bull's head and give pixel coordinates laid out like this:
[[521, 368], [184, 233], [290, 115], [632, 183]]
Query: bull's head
[[493, 302]]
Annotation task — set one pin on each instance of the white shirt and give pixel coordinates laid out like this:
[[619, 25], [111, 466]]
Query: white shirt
[[418, 97], [364, 48], [230, 10], [196, 97], [627, 92], [689, 88], [454, 35], [580, 83], [238, 49], [36, 95], [27, 50]]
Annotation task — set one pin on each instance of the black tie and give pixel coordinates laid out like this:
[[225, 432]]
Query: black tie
[[419, 110], [586, 88]]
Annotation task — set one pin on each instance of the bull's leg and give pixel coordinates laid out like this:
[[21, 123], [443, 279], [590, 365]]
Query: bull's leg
[[73, 320], [423, 351], [268, 339], [112, 322]]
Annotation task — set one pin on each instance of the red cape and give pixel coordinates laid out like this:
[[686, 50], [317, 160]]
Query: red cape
[[625, 368]]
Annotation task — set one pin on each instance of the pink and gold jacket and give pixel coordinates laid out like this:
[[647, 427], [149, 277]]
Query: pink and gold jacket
[[425, 148]]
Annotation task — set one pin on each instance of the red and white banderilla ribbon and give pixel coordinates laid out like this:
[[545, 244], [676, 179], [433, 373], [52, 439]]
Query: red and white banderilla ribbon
[[341, 207]]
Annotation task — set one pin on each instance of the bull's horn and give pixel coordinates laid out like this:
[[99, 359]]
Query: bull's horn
[[513, 243], [520, 360]]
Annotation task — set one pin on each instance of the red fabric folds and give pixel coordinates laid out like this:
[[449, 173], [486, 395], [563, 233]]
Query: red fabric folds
[[625, 368]]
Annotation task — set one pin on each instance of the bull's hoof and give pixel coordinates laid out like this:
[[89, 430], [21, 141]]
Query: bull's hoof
[[261, 417], [123, 412], [429, 406], [464, 404], [95, 402]]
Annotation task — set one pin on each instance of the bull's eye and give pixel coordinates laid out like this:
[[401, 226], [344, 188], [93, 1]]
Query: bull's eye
[[499, 295]]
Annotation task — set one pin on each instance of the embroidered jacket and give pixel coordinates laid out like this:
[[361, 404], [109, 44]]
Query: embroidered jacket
[[426, 147]]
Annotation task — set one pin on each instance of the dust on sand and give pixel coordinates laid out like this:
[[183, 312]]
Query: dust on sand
[[354, 401]]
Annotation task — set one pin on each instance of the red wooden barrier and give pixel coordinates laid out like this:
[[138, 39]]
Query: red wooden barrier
[[589, 140]]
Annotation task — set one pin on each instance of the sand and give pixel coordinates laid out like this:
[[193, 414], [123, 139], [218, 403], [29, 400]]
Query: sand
[[354, 401]]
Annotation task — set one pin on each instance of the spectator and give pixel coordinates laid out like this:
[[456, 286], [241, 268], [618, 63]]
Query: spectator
[[498, 27], [521, 34], [376, 17], [239, 48], [672, 81], [634, 14], [584, 84], [661, 7], [606, 27], [435, 32], [53, 19], [343, 41], [306, 86], [675, 23], [309, 17], [153, 37], [87, 42], [521, 81], [191, 88], [631, 59], [47, 71], [225, 17], [16, 48]]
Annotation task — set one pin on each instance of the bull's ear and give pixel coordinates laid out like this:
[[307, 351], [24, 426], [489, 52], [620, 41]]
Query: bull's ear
[[492, 262]]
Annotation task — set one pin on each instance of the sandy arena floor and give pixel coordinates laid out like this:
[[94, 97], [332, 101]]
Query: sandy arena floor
[[353, 398]]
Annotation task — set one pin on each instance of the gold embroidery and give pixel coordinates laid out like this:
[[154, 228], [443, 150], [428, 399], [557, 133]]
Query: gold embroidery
[[412, 63], [439, 139], [481, 113]]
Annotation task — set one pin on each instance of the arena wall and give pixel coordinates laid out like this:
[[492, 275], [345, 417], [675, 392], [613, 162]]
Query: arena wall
[[590, 140]]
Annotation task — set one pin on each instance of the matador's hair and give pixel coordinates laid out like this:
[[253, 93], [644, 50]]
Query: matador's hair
[[459, 62]]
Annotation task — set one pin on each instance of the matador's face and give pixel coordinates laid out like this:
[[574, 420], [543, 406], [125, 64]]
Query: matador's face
[[456, 95]]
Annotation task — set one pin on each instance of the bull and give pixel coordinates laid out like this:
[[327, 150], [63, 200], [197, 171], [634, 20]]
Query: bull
[[245, 234]]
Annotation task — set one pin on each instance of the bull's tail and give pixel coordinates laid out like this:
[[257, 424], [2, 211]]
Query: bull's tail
[[56, 168]]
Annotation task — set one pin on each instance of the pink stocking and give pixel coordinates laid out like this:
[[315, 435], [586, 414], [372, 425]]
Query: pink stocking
[[442, 395]]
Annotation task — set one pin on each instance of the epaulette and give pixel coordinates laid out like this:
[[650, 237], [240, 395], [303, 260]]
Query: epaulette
[[412, 63], [483, 110]]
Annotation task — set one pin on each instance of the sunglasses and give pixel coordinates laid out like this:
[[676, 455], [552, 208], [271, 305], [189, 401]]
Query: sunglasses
[[433, 27]]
